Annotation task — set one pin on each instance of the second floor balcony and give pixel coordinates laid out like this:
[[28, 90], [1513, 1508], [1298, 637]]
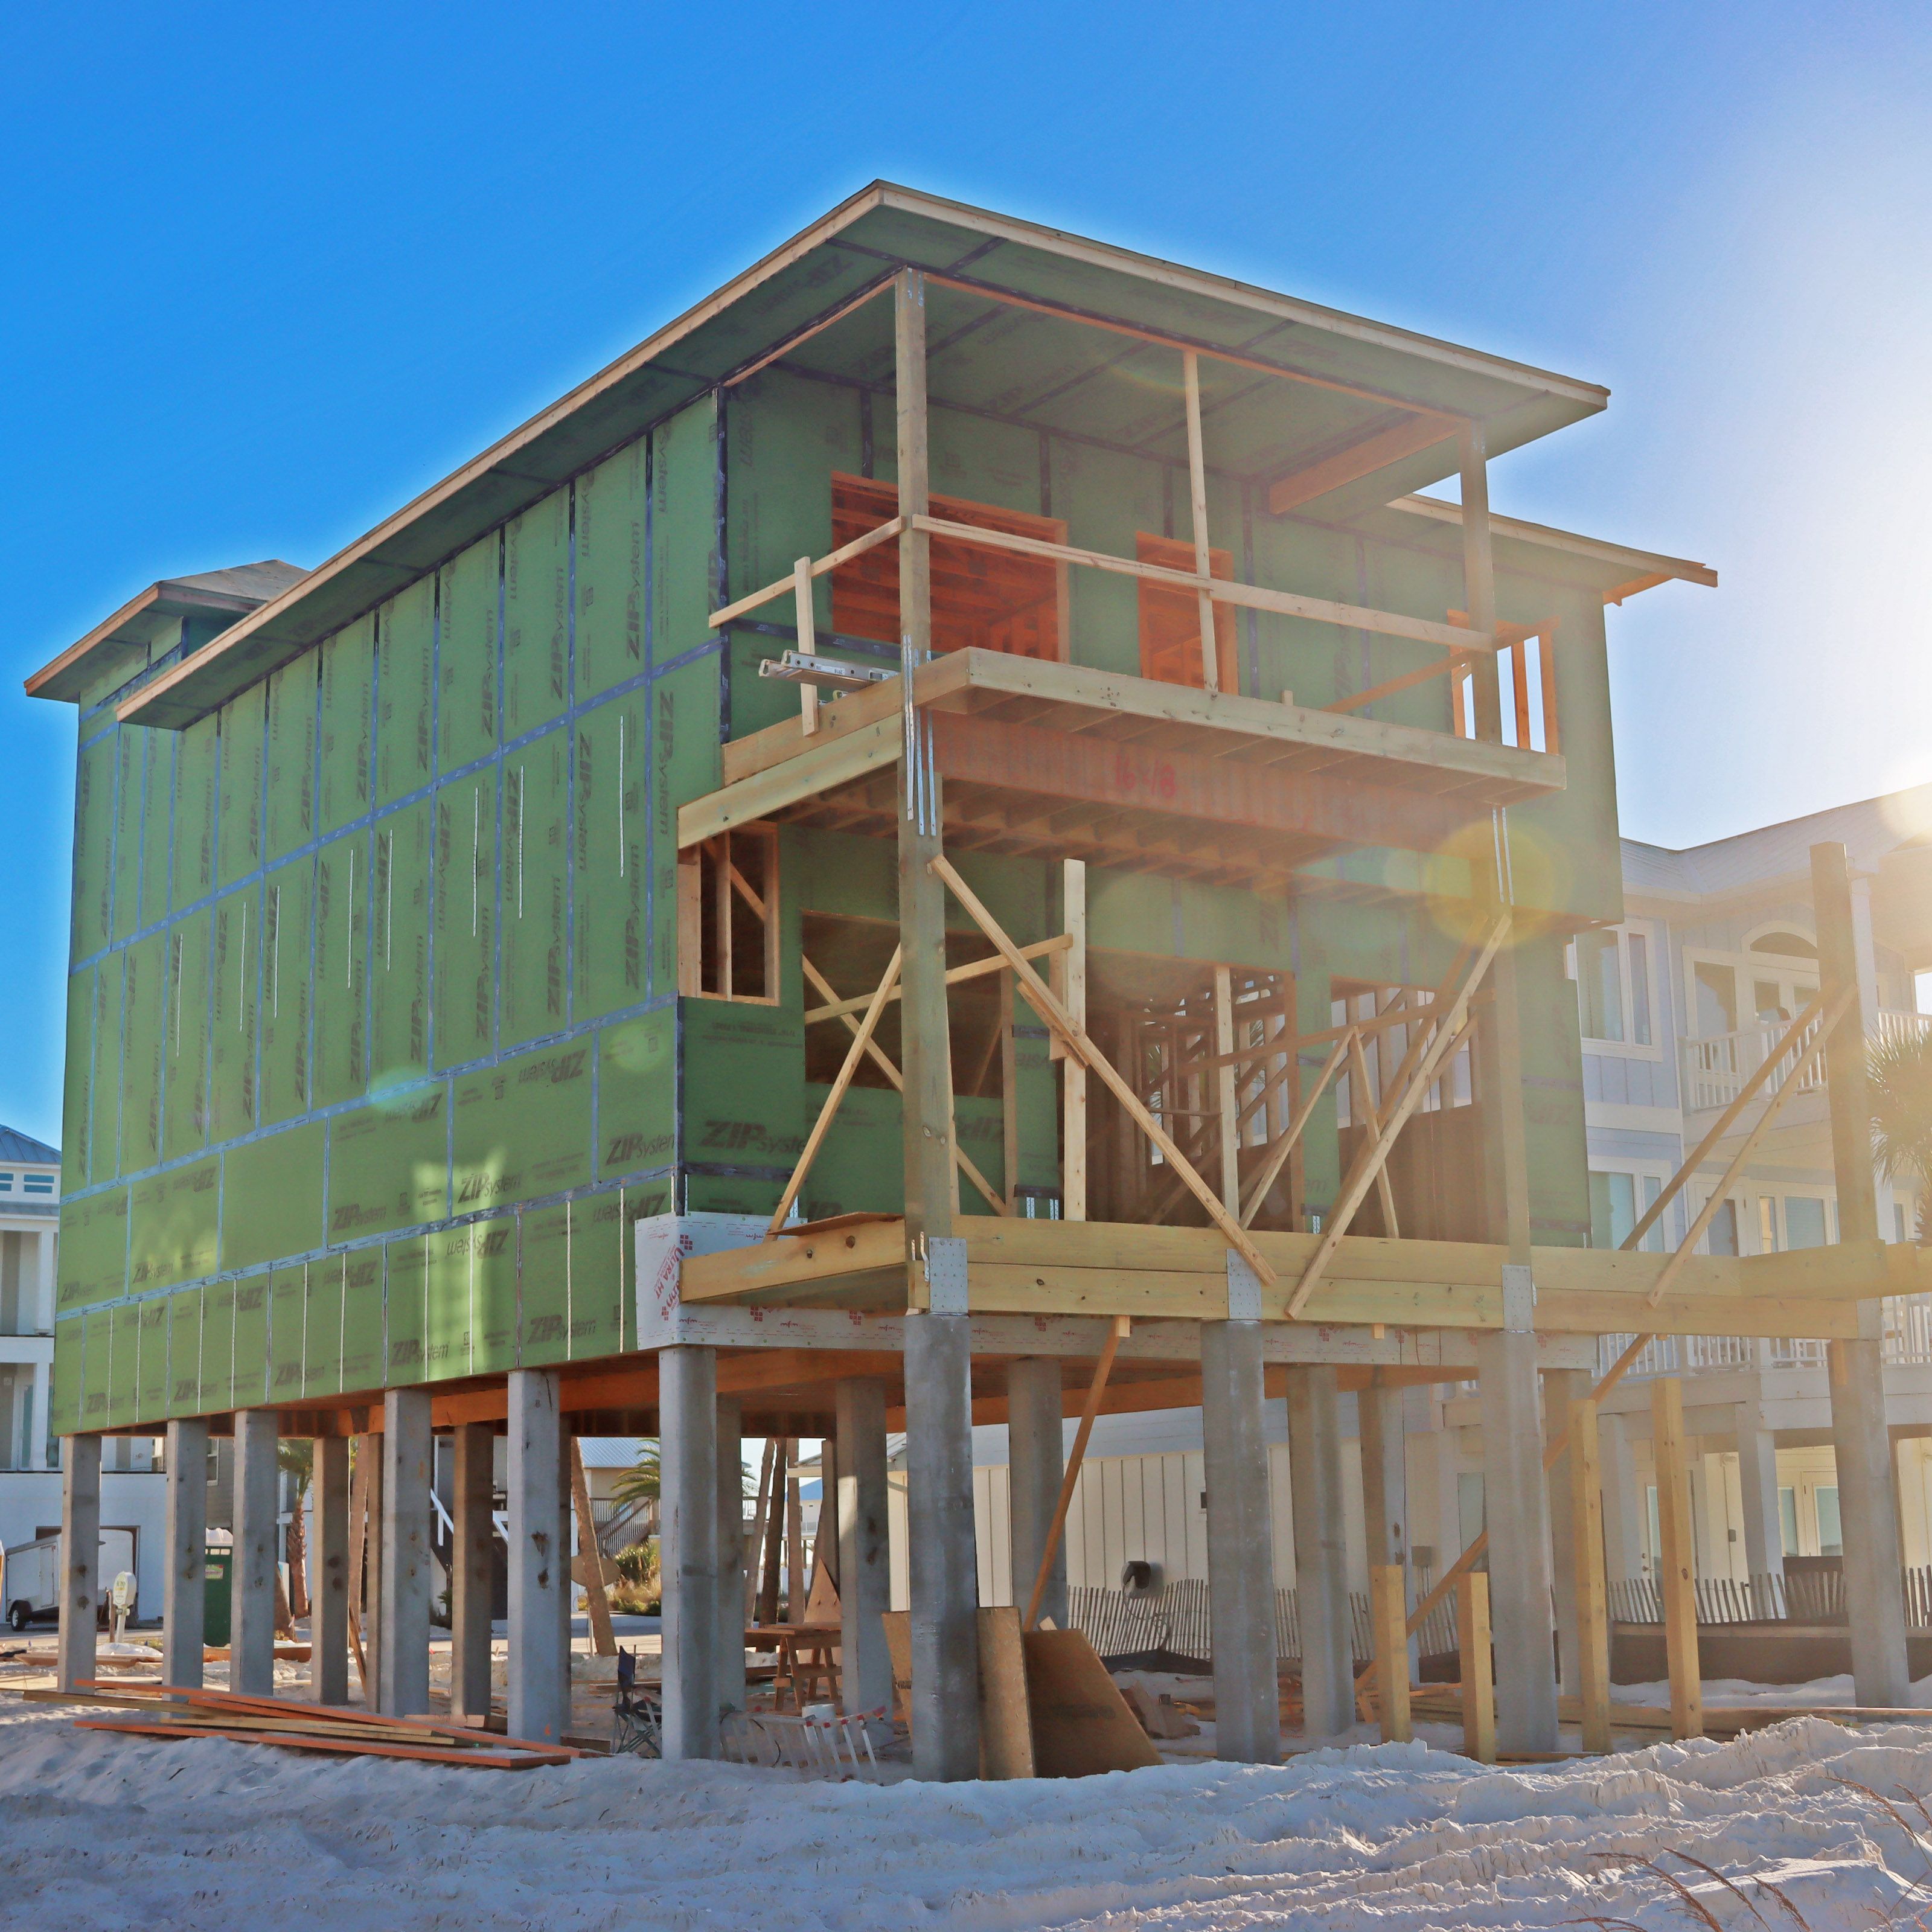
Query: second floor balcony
[[1715, 1069]]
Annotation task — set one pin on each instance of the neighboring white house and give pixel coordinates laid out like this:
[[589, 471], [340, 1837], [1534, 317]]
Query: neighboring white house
[[131, 1486], [1679, 1005]]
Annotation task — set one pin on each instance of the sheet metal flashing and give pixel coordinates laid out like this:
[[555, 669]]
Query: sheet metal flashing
[[802, 282]]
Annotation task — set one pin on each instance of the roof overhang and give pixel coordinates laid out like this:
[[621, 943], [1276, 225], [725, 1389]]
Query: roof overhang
[[1401, 394], [123, 641], [1623, 571]]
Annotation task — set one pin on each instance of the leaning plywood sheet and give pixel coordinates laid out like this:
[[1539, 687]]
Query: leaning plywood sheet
[[1006, 1721], [1081, 1725]]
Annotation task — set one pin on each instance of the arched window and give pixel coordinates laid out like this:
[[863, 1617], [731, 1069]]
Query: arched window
[[1782, 941]]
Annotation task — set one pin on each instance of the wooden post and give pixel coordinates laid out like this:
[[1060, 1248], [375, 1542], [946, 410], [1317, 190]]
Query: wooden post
[[794, 1539], [1448, 1027], [1080, 1042], [761, 1516], [1224, 1090], [1593, 1621], [1286, 1149], [1073, 1070], [1478, 1666], [1009, 1092], [1389, 1609], [1362, 1106], [596, 1596], [782, 1458], [358, 1543], [1197, 495], [927, 1113], [808, 642], [1070, 1476], [1861, 1445], [1676, 1567], [1479, 579]]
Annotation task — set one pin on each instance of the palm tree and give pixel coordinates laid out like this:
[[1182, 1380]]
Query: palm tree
[[639, 1483], [296, 1456], [1901, 1103]]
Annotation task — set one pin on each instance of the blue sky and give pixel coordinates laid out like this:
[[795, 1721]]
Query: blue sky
[[266, 273]]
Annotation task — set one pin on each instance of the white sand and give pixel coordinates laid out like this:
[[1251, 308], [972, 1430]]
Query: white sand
[[101, 1832]]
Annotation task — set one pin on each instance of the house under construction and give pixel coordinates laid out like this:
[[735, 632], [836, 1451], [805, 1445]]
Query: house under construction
[[948, 840]]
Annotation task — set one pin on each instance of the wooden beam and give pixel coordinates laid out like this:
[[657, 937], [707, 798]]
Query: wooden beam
[[1363, 1103], [1278, 1155], [1056, 1017], [1692, 1162], [1479, 575], [927, 1132], [974, 969], [1410, 433], [1477, 1666], [1223, 590], [1707, 1212], [358, 1544], [1007, 1043], [1586, 1536], [804, 622], [1449, 1024], [884, 1062], [827, 765], [1388, 1613], [1361, 700], [845, 553], [1070, 1475], [602, 1639], [1676, 1562], [1226, 1108], [1197, 497], [1073, 1070], [823, 1125]]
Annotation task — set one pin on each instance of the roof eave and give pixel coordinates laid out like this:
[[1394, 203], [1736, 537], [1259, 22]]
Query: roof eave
[[1647, 568], [63, 677]]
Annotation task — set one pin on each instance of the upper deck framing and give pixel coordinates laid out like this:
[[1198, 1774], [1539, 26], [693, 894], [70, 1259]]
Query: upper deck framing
[[1057, 760]]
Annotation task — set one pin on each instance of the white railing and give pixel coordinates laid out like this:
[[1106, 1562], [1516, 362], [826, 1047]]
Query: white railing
[[1908, 1342], [1908, 1328], [1888, 1028], [1716, 1066]]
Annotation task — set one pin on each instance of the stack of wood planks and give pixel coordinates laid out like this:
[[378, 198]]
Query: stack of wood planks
[[162, 1711]]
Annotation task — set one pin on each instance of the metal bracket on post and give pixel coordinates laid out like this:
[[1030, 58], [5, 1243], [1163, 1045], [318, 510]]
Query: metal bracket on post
[[946, 1274], [1519, 1298], [1244, 1289]]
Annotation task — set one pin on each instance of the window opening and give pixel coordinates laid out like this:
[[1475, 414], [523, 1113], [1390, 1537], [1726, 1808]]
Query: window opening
[[989, 599], [1717, 997], [727, 922], [1614, 1208], [1613, 996]]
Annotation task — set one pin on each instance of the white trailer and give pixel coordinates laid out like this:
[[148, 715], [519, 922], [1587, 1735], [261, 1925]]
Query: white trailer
[[30, 1580]]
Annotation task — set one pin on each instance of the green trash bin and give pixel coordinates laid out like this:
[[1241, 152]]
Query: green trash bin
[[215, 1600]]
